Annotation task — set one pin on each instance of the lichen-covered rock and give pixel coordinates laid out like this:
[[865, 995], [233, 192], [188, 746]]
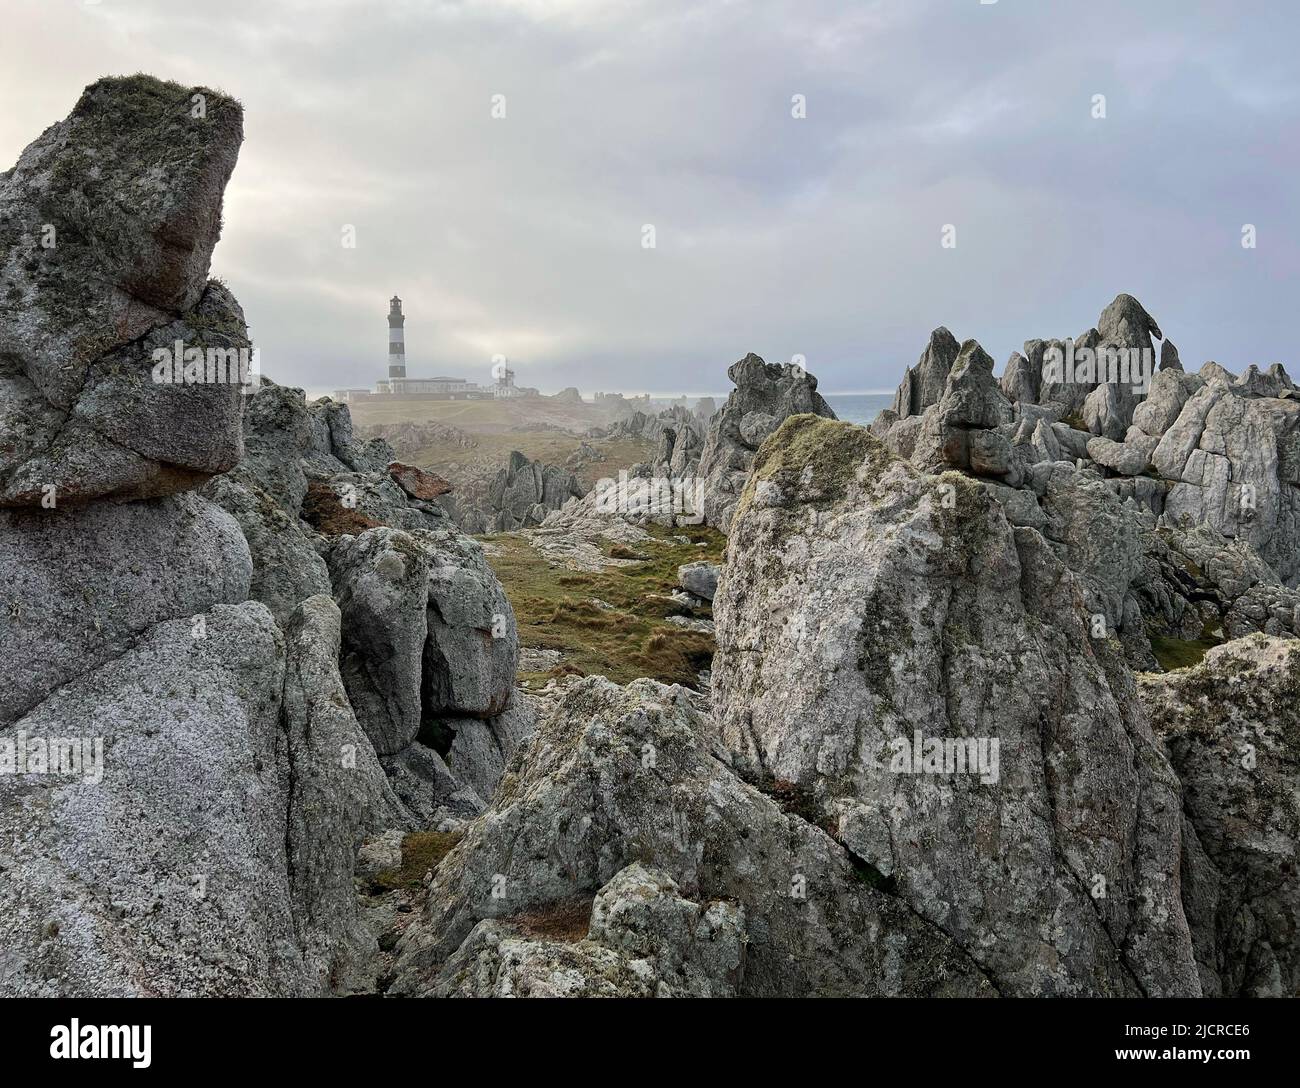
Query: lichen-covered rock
[[168, 876], [337, 795], [286, 566], [107, 225], [644, 940], [769, 393], [700, 578], [81, 585], [1232, 726], [614, 775], [923, 384], [869, 608], [427, 631], [1235, 461], [955, 432], [472, 651], [381, 581]]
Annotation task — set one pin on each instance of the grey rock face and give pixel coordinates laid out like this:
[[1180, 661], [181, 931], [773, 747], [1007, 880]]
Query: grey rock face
[[924, 383], [699, 578], [1100, 538], [1164, 401], [168, 877], [473, 646], [131, 183], [1127, 459], [869, 603], [1230, 724], [521, 495], [770, 393], [336, 448], [954, 431], [644, 940], [286, 567], [81, 584], [481, 749], [612, 776], [381, 580], [1234, 460], [1125, 322], [211, 851], [1020, 381], [428, 632], [337, 795]]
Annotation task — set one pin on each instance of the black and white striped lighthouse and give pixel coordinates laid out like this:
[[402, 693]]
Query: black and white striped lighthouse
[[396, 339]]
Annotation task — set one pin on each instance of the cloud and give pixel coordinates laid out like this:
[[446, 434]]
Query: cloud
[[818, 236]]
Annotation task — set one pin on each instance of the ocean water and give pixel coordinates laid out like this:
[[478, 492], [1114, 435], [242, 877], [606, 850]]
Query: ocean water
[[860, 408]]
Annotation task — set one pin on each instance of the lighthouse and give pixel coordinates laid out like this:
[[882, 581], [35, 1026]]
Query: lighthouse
[[396, 340]]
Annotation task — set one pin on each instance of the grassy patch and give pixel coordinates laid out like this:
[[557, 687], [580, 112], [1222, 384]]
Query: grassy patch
[[1181, 653], [567, 921], [422, 852], [554, 610]]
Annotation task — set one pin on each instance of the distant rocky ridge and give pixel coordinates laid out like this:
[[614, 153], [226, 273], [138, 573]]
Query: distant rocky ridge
[[1180, 506], [520, 495], [408, 438]]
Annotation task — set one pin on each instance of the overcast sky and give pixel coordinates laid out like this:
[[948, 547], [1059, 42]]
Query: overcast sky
[[818, 236]]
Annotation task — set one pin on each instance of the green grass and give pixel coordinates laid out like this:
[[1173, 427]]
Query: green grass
[[1181, 653], [554, 609], [422, 852]]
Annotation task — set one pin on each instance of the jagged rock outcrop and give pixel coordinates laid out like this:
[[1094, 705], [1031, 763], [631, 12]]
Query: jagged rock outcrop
[[613, 776], [107, 225], [428, 631], [1188, 452], [337, 795], [185, 780], [1232, 727], [520, 496], [870, 609], [959, 429], [924, 384], [765, 395]]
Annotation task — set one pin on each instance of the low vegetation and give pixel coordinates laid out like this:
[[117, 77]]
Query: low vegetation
[[1181, 653], [422, 853], [613, 622]]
